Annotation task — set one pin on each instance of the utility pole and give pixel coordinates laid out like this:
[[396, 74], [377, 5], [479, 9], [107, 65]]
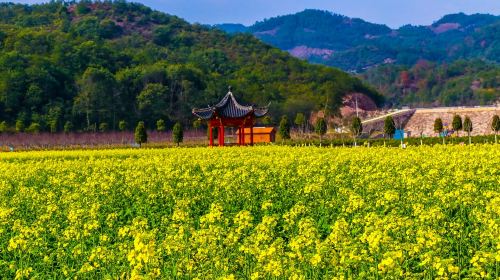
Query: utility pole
[[356, 99]]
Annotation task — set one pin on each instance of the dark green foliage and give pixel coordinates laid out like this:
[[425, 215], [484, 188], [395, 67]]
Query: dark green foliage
[[3, 127], [356, 127], [267, 120], [162, 35], [82, 7], [231, 27], [284, 129], [68, 127], [100, 62], [140, 135], [53, 122], [389, 127], [456, 124], [438, 125], [197, 123], [95, 98], [33, 128], [495, 124], [468, 125], [103, 127], [320, 127], [153, 101], [122, 125], [160, 125], [318, 29], [53, 126], [300, 121], [19, 125], [177, 133], [108, 29]]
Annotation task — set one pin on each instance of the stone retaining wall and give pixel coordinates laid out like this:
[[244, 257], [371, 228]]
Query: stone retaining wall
[[421, 121]]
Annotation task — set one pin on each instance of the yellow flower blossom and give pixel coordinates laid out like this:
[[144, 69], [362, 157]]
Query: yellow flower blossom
[[269, 212]]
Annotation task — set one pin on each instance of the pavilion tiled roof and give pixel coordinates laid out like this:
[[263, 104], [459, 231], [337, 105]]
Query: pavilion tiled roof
[[228, 107]]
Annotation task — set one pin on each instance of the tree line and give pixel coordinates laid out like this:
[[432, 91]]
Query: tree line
[[355, 127]]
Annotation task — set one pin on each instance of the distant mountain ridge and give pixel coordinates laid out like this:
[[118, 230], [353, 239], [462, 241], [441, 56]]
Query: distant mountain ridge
[[356, 45]]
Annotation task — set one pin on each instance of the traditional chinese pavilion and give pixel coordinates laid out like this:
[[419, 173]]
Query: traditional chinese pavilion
[[229, 113]]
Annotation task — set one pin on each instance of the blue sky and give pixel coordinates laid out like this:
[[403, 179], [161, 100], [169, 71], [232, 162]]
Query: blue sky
[[391, 12]]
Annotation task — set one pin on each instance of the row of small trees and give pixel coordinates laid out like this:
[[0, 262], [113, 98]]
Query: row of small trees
[[457, 125], [356, 126], [35, 127], [320, 127], [141, 134]]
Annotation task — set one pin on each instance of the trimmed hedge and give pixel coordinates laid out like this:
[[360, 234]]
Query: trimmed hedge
[[391, 142]]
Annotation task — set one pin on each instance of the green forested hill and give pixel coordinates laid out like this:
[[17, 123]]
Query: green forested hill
[[99, 62], [454, 61], [355, 45], [463, 82]]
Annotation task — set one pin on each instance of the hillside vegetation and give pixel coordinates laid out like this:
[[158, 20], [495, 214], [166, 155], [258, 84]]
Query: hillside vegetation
[[355, 44], [453, 61], [91, 64], [463, 82]]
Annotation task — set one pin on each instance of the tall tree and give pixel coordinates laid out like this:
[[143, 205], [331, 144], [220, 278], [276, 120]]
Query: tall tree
[[197, 124], [300, 121], [456, 124], [321, 128], [122, 125], [284, 129], [495, 126], [153, 102], [356, 129], [140, 135], [438, 127], [33, 128], [177, 133], [160, 125], [468, 127], [3, 127], [389, 127], [19, 125], [68, 126], [96, 96]]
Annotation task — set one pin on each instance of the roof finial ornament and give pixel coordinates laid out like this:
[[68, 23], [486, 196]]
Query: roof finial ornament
[[229, 88]]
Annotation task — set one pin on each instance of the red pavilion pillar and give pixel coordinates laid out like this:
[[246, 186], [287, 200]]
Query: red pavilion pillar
[[222, 135], [251, 135], [243, 135], [218, 135], [239, 136], [210, 133]]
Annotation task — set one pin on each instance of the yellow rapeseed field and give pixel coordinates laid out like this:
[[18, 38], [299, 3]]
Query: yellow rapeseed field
[[251, 213]]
